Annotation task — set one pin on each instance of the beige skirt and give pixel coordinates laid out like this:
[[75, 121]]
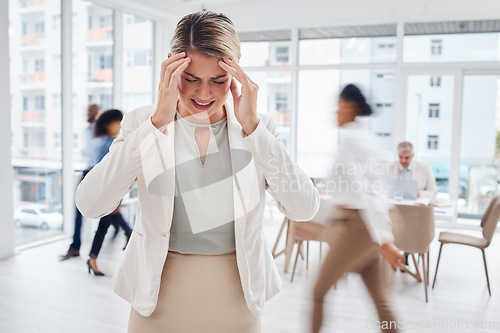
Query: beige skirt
[[198, 293]]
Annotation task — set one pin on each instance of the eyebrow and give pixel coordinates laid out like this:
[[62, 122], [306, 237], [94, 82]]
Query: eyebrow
[[212, 78]]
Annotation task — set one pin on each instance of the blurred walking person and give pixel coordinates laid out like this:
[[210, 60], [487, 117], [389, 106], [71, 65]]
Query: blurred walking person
[[361, 230]]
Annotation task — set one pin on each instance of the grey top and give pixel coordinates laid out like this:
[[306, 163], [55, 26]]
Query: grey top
[[203, 217]]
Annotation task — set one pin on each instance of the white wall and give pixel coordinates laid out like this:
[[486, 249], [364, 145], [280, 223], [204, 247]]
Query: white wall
[[6, 210]]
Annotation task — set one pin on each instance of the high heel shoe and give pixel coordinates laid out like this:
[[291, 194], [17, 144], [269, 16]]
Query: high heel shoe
[[96, 273]]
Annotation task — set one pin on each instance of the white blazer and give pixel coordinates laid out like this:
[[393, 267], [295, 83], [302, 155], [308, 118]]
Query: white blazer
[[144, 155], [420, 172]]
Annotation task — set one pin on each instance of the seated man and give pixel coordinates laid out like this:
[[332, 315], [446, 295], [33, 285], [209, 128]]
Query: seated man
[[406, 169]]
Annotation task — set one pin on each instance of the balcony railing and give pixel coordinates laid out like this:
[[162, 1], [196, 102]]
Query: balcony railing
[[34, 116], [27, 78], [105, 33], [33, 39], [101, 75]]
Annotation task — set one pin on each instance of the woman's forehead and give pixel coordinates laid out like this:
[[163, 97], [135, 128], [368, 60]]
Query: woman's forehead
[[203, 66]]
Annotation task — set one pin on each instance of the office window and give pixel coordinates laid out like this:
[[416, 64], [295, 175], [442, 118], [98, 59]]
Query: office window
[[435, 81], [317, 129], [464, 40], [93, 67], [138, 50], [432, 142], [480, 143], [265, 48], [347, 45], [433, 110]]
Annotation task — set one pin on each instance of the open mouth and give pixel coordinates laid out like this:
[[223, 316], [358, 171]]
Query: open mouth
[[202, 105]]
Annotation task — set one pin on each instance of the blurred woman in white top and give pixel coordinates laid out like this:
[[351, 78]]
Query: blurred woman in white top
[[361, 230]]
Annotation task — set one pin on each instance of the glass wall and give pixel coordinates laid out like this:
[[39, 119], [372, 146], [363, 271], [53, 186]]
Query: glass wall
[[36, 108], [35, 78]]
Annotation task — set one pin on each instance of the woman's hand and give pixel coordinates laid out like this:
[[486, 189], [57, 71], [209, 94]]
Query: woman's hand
[[168, 89], [245, 101], [393, 255]]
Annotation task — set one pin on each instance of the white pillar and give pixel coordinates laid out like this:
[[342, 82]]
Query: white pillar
[[6, 172]]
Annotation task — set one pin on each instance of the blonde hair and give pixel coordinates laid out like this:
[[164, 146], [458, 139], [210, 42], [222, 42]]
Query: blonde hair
[[206, 32]]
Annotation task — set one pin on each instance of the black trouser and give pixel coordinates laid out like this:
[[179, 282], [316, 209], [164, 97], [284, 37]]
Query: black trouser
[[102, 229]]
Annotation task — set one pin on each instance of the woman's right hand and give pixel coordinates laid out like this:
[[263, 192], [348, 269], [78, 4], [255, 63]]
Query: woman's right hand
[[168, 88]]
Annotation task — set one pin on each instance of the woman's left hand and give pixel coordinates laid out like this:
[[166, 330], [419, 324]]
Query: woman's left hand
[[245, 101]]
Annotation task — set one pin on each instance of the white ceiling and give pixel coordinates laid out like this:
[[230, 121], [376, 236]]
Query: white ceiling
[[278, 14]]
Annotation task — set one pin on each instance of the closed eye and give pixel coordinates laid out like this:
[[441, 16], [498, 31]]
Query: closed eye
[[188, 80], [219, 82]]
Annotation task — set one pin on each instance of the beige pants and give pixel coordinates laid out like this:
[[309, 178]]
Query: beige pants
[[352, 250], [198, 293]]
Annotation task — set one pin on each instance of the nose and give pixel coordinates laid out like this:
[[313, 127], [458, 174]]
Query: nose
[[203, 91]]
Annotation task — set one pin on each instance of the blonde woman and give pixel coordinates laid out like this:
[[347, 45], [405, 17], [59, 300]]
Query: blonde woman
[[197, 259]]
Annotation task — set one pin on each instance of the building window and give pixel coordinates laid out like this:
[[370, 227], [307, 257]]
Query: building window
[[39, 27], [57, 140], [25, 66], [385, 46], [136, 58], [105, 62], [434, 110], [435, 81], [39, 65], [105, 21], [436, 46], [106, 101], [56, 101], [25, 103], [432, 142], [281, 54], [56, 23], [281, 102], [383, 105], [40, 102], [34, 137], [383, 134], [386, 76]]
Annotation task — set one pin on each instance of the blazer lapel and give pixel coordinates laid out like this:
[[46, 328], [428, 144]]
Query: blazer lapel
[[245, 194]]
